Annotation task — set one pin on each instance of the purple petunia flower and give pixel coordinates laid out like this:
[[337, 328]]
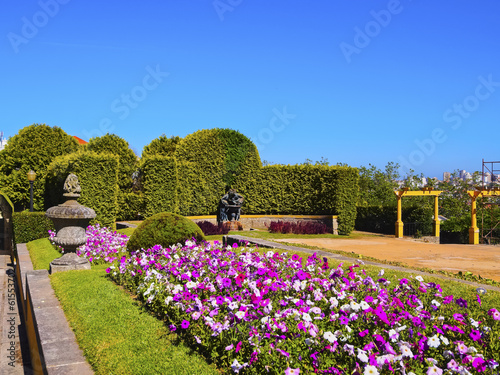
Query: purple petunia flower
[[185, 324], [461, 302], [475, 335], [226, 282]]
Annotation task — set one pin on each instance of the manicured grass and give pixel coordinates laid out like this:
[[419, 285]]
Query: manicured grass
[[115, 333], [270, 236], [42, 252], [126, 231]]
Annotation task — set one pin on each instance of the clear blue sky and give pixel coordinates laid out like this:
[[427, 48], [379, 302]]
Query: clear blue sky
[[358, 82]]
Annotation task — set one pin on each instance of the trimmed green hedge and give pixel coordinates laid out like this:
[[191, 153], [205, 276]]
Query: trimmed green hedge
[[302, 190], [159, 184], [165, 229], [98, 177], [30, 226], [130, 206], [219, 158], [208, 162]]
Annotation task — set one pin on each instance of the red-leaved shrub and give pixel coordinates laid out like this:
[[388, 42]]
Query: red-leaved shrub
[[307, 227], [210, 229]]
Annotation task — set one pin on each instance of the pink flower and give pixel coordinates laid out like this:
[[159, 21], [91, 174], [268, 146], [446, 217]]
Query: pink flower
[[479, 364], [292, 371], [238, 347], [494, 313], [434, 370]]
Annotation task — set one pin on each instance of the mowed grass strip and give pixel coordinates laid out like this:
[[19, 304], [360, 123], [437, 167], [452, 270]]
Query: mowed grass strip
[[42, 252], [115, 333]]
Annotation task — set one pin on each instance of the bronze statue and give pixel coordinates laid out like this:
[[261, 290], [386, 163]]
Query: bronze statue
[[230, 206]]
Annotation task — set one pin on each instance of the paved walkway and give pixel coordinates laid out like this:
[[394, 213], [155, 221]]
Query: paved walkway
[[13, 344], [481, 260]]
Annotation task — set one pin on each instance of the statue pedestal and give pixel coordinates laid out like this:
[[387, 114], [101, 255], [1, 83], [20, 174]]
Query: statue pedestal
[[69, 262], [233, 225]]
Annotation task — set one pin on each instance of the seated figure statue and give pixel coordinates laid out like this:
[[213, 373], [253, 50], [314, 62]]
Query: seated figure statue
[[230, 206]]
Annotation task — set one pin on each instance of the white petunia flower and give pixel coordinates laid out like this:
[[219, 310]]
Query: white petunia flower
[[364, 305], [435, 303], [370, 370], [355, 306], [330, 337], [362, 356], [433, 341]]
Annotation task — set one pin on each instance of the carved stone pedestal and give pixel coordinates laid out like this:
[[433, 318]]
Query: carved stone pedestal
[[69, 262]]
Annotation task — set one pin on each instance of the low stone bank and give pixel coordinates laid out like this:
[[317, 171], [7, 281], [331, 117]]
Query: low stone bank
[[52, 343]]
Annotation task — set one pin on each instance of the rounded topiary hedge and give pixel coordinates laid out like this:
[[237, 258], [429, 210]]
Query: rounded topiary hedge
[[164, 229]]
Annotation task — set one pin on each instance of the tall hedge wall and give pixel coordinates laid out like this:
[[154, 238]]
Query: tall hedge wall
[[208, 162], [219, 157], [302, 190], [98, 177], [159, 184]]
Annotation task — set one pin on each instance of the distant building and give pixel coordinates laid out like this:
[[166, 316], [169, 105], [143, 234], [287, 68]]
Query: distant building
[[462, 174], [80, 141], [487, 178], [3, 141], [446, 176]]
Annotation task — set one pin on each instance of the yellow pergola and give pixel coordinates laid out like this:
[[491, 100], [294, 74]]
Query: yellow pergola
[[425, 192], [474, 194]]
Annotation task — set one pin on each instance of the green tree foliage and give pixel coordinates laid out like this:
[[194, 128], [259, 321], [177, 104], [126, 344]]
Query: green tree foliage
[[115, 145], [376, 187], [377, 202], [34, 147], [161, 146]]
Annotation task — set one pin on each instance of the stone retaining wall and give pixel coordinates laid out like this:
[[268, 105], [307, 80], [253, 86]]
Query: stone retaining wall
[[52, 343]]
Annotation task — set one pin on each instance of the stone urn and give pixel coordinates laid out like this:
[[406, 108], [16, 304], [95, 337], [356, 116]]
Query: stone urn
[[70, 221]]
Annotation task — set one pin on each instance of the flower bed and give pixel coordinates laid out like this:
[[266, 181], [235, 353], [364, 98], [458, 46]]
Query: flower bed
[[270, 313], [103, 244]]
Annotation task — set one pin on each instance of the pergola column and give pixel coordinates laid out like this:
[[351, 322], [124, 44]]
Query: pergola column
[[399, 221], [436, 217]]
